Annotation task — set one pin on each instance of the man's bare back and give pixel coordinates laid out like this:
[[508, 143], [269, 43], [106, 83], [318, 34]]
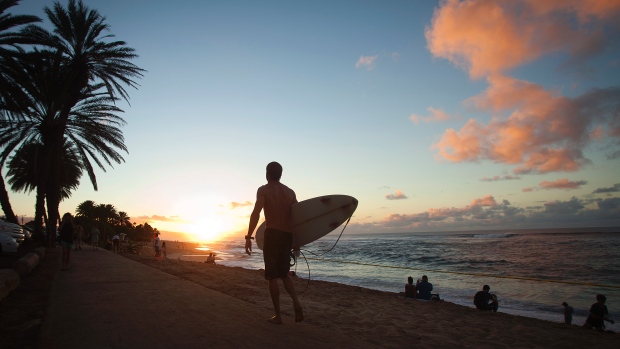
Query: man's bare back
[[277, 205]]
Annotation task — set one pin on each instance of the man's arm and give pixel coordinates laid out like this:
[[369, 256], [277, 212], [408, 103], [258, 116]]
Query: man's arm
[[254, 217]]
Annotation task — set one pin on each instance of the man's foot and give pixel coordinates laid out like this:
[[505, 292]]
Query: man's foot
[[299, 314], [275, 320]]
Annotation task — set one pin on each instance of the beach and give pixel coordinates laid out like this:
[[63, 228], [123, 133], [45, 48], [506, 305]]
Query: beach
[[234, 303], [383, 318]]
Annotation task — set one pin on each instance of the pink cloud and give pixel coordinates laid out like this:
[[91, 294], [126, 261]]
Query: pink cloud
[[436, 115], [544, 131], [535, 129], [562, 183], [527, 189], [399, 195], [367, 62], [234, 205], [488, 200], [488, 37]]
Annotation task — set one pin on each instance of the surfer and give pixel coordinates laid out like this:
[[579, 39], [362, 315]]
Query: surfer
[[276, 199]]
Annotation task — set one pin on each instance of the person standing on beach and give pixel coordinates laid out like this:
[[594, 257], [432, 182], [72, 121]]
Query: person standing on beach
[[598, 314], [66, 238], [79, 236], [276, 199], [568, 313], [94, 238], [156, 245], [116, 243]]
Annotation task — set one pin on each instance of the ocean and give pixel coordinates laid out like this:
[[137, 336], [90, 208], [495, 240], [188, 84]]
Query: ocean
[[531, 271]]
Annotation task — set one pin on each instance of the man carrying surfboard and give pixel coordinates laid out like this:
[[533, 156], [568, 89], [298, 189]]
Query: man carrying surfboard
[[276, 199]]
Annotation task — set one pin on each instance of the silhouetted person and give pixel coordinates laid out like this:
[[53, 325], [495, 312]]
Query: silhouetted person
[[598, 314], [424, 288], [210, 259], [65, 237], [410, 288], [276, 199], [568, 313], [484, 300]]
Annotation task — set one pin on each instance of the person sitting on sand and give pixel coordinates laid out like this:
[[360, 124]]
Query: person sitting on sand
[[210, 259], [410, 288], [598, 314], [424, 288], [276, 199], [568, 313], [484, 300]]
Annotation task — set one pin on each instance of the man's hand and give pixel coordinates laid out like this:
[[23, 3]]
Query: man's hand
[[248, 246]]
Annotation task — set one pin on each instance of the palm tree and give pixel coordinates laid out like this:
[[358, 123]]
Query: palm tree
[[86, 209], [86, 72], [22, 175], [8, 41], [91, 131]]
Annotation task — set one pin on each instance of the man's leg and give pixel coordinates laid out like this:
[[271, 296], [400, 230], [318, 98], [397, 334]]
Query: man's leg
[[274, 290], [290, 288]]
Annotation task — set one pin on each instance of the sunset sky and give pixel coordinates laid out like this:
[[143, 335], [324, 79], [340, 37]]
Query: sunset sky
[[436, 116]]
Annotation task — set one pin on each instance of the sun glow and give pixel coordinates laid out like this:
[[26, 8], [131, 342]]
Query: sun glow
[[206, 230]]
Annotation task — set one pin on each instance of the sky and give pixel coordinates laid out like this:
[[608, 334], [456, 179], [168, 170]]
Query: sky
[[436, 116]]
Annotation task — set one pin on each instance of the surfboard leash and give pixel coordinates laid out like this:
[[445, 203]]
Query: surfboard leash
[[315, 254]]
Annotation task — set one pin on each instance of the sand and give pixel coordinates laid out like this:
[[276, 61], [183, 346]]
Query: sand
[[377, 318], [384, 318]]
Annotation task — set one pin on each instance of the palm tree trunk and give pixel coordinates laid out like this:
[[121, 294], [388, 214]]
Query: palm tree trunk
[[39, 234], [6, 204]]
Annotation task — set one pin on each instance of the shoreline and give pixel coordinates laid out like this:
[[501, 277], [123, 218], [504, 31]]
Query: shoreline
[[384, 318]]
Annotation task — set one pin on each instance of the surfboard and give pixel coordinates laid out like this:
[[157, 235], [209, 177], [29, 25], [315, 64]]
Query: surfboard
[[314, 218]]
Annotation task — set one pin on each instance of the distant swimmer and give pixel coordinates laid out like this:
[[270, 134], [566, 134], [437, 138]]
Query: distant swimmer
[[598, 314], [568, 313], [484, 300], [276, 199]]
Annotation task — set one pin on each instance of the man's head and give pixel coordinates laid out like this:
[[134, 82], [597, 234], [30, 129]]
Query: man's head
[[486, 288], [565, 304], [424, 278], [410, 280], [601, 298], [274, 171]]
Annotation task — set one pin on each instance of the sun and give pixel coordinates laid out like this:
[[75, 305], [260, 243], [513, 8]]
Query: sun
[[206, 230]]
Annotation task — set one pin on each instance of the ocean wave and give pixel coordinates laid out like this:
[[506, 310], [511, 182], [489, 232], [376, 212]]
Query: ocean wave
[[494, 236]]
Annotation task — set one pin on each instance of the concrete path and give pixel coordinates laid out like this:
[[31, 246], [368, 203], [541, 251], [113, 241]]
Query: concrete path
[[108, 301]]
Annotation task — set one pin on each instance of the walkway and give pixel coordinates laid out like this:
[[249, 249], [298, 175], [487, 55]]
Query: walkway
[[108, 301]]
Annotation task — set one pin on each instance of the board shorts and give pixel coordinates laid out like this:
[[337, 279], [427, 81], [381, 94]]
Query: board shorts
[[277, 253]]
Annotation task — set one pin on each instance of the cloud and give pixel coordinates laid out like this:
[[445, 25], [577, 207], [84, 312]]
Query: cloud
[[490, 37], [614, 189], [499, 178], [156, 218], [610, 204], [399, 195], [234, 205], [436, 115], [527, 189], [562, 183], [367, 62], [544, 132], [563, 207], [487, 213], [532, 128]]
